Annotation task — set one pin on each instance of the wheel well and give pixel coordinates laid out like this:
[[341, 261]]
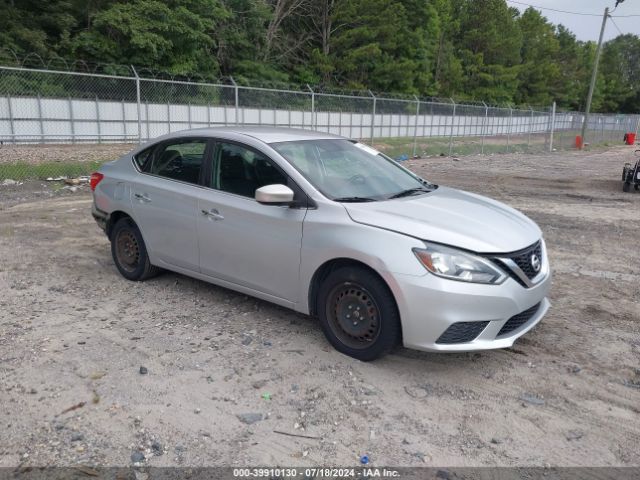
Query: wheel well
[[113, 219], [325, 269]]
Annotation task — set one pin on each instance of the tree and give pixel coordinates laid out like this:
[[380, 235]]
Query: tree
[[467, 49], [383, 45], [489, 42], [539, 74], [447, 68], [175, 36], [572, 59], [621, 74], [34, 26]]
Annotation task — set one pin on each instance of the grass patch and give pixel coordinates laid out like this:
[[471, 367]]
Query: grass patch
[[42, 171], [395, 147]]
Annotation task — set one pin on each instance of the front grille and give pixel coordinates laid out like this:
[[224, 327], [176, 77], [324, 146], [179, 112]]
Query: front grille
[[518, 320], [522, 259], [462, 332]]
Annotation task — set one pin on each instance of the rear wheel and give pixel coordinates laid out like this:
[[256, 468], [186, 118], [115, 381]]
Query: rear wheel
[[129, 251], [358, 313]]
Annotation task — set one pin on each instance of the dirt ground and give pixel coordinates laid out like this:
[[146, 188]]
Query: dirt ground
[[74, 335]]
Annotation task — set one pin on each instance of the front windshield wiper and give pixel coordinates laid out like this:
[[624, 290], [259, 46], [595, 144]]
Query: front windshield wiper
[[354, 199], [411, 191]]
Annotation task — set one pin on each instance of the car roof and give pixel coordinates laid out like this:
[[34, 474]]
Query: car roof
[[264, 134]]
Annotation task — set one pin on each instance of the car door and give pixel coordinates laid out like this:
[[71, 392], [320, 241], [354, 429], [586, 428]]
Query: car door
[[165, 200], [242, 241]]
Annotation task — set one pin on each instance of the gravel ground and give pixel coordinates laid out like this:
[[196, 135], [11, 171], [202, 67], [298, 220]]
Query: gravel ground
[[98, 370], [67, 153]]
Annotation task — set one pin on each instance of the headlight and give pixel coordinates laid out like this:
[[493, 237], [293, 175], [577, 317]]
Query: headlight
[[457, 265]]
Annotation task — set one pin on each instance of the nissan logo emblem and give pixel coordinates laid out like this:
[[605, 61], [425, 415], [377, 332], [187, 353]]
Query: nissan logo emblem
[[535, 262]]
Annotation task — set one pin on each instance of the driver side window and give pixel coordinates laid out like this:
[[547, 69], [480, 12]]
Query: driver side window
[[242, 171]]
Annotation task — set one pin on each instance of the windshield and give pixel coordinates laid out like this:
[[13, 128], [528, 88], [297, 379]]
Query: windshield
[[351, 172]]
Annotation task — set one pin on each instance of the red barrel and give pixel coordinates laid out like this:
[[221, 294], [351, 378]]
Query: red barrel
[[631, 138], [579, 142]]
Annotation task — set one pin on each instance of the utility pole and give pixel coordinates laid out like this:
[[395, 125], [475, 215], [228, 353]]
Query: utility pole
[[594, 75]]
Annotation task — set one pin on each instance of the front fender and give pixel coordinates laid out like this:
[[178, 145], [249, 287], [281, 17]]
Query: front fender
[[329, 234]]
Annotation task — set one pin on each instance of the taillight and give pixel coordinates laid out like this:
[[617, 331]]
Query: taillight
[[95, 179]]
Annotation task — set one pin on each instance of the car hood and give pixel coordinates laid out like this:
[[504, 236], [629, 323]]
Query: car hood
[[452, 217]]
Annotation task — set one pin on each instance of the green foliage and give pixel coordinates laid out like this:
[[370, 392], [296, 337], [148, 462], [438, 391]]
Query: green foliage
[[621, 74], [172, 35], [23, 170], [539, 72], [466, 49]]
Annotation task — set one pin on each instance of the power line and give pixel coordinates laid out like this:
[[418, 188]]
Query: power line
[[570, 13]]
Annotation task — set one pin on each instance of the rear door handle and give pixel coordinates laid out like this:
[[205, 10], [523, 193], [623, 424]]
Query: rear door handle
[[213, 213], [142, 197]]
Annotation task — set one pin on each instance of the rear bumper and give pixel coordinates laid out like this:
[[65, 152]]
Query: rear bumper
[[101, 218], [429, 305]]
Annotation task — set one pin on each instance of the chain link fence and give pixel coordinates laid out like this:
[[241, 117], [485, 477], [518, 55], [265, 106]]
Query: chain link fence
[[44, 107]]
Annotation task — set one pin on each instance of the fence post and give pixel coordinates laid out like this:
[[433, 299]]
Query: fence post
[[373, 116], [11, 125], [71, 120], [351, 124], [189, 114], [168, 117], [415, 127], [484, 126], [40, 119], [509, 128], [601, 122], [235, 88], [146, 118], [313, 109], [637, 127], [124, 121], [138, 104], [453, 121], [553, 126], [98, 120], [530, 130], [209, 114]]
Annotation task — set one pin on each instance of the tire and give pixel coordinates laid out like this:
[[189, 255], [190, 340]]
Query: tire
[[365, 336], [626, 187], [129, 251], [636, 187]]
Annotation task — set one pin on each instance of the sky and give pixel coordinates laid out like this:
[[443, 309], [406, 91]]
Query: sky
[[588, 27]]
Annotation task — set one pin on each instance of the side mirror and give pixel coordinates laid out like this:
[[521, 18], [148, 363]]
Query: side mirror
[[274, 195]]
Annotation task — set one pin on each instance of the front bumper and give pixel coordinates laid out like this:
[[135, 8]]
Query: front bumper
[[429, 305]]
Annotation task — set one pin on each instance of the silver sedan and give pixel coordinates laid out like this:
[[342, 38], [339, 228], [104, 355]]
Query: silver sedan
[[331, 228]]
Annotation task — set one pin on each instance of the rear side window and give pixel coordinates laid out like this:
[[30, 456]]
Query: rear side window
[[142, 157], [180, 160]]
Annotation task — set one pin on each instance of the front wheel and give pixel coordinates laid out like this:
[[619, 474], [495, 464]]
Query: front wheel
[[129, 251], [358, 313]]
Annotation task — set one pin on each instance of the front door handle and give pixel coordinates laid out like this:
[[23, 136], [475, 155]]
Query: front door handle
[[213, 213], [142, 197]]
